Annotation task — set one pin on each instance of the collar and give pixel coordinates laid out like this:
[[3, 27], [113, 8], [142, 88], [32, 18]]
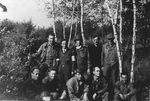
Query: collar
[[78, 47]]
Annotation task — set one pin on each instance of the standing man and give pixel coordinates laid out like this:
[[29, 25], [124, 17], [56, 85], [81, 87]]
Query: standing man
[[32, 87], [98, 86], [48, 53], [82, 56], [110, 60], [95, 51], [76, 87], [124, 91], [67, 59]]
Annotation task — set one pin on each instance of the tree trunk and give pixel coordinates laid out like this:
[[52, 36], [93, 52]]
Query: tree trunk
[[133, 43], [76, 27], [120, 37], [64, 25], [81, 21], [116, 39], [53, 13], [72, 19]]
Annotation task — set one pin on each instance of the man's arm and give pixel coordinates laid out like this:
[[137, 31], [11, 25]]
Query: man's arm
[[102, 56], [88, 61], [116, 88], [105, 87], [71, 91], [38, 52]]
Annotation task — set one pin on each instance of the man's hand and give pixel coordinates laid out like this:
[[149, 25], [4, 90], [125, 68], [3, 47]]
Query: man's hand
[[126, 95], [88, 71], [121, 96], [85, 98], [94, 96]]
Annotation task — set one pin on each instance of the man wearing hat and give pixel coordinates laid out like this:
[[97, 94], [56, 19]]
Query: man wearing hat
[[110, 60], [81, 55], [95, 51]]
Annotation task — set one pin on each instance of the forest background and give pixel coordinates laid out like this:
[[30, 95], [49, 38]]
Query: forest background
[[20, 39]]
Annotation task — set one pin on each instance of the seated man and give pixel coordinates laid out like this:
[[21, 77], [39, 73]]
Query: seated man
[[76, 87], [31, 86], [44, 96], [52, 84], [98, 86], [124, 91]]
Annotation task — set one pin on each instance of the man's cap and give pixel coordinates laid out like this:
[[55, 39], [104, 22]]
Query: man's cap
[[110, 36], [78, 38]]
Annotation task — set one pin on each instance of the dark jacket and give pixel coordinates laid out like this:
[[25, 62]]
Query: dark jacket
[[124, 88], [66, 64], [95, 55], [99, 86], [82, 58], [75, 90], [31, 88], [51, 85]]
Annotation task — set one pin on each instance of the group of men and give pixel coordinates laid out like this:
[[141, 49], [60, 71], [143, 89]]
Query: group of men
[[78, 73]]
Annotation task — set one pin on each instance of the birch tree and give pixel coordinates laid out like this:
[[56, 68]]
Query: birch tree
[[114, 22], [120, 29], [72, 19], [133, 43], [53, 14], [81, 21]]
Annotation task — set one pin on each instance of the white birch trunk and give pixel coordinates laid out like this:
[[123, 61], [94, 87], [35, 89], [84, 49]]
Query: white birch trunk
[[64, 26], [133, 43], [81, 21], [76, 27], [72, 19], [53, 14], [116, 40], [120, 37]]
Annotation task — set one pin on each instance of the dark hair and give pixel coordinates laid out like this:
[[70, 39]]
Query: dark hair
[[124, 73], [95, 35], [79, 70], [51, 34], [44, 94], [32, 69], [101, 72], [52, 69]]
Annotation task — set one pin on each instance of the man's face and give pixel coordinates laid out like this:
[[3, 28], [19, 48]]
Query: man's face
[[96, 72], [64, 44], [35, 74], [52, 74], [110, 41], [78, 43], [95, 40], [78, 76], [124, 78], [51, 39]]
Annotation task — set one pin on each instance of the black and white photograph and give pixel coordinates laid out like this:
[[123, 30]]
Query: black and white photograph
[[74, 50]]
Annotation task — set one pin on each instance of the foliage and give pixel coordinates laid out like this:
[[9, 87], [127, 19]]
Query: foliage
[[19, 39]]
